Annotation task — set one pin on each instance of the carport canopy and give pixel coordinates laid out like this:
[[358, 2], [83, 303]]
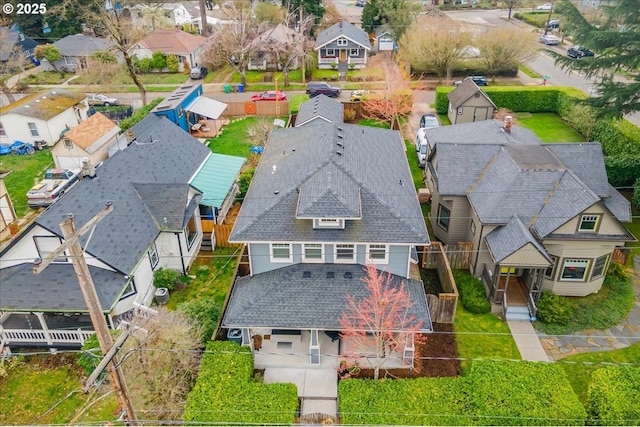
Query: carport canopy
[[207, 107]]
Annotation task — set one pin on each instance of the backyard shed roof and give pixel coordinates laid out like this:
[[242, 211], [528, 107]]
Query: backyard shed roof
[[216, 177], [207, 107]]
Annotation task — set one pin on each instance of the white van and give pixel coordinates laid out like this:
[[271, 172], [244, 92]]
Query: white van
[[421, 147]]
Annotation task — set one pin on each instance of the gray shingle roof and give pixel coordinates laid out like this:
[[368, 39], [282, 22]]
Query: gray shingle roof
[[504, 241], [329, 193], [343, 28], [165, 203], [373, 159], [467, 89], [283, 298], [460, 164], [320, 107], [482, 132], [55, 288], [618, 205], [586, 163], [81, 45], [123, 237]]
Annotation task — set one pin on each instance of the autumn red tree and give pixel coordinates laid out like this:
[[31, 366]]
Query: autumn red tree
[[382, 319], [392, 104]]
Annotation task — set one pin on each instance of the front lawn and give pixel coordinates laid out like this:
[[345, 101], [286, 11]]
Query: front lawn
[[48, 78], [549, 127], [46, 390], [147, 78], [25, 171]]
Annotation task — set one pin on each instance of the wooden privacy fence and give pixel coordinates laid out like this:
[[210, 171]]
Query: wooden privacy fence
[[442, 306], [257, 108], [459, 255], [221, 232]]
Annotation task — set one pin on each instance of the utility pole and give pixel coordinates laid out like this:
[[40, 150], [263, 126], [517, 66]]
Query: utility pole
[[546, 27], [300, 29], [72, 243]]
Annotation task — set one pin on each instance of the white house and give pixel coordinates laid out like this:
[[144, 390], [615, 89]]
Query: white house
[[187, 47], [41, 117]]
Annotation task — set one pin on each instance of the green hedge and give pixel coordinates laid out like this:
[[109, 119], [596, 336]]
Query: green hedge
[[622, 170], [523, 393], [140, 114], [472, 294], [226, 392], [613, 395], [636, 193], [496, 393]]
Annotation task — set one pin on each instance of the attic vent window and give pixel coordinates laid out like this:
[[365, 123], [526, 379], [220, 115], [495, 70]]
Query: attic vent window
[[306, 274], [348, 275], [330, 274]]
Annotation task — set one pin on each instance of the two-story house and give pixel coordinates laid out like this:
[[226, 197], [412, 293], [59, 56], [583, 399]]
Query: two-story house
[[341, 45], [155, 223], [326, 200], [541, 217]]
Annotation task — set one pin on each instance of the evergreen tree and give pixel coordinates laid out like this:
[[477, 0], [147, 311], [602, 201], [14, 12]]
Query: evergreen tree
[[616, 42]]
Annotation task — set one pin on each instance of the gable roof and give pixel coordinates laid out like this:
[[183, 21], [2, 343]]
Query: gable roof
[[134, 180], [216, 178], [466, 90], [97, 128], [320, 107], [279, 34], [173, 41], [82, 45], [265, 299], [44, 105], [382, 30], [343, 28], [371, 160], [504, 241], [21, 44]]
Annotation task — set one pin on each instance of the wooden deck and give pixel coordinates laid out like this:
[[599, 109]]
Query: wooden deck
[[517, 292], [208, 128]]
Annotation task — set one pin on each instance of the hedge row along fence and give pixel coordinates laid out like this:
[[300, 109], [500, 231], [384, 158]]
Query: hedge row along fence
[[620, 139], [613, 395], [496, 393], [226, 392]]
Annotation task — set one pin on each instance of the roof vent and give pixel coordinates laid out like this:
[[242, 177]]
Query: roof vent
[[306, 274], [348, 275], [340, 128], [330, 275], [340, 144], [339, 152], [274, 169]]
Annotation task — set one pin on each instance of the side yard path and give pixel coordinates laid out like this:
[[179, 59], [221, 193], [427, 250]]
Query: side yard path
[[592, 340]]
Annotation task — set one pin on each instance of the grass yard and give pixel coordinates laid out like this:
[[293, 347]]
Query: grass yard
[[482, 336], [213, 276], [25, 170], [234, 139], [633, 227], [549, 127], [579, 374], [48, 78], [41, 391], [147, 78]]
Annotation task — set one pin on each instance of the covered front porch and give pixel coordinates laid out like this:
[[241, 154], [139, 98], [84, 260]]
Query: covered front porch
[[516, 290]]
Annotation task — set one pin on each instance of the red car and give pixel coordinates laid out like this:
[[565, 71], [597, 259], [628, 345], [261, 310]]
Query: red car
[[270, 95]]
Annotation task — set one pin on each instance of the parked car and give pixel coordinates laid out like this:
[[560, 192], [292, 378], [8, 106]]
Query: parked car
[[479, 80], [100, 99], [546, 6], [56, 182], [553, 24], [198, 72], [549, 39], [578, 52], [428, 121], [322, 88], [270, 95], [360, 3]]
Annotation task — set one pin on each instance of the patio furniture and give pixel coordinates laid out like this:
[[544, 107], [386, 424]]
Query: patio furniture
[[197, 126]]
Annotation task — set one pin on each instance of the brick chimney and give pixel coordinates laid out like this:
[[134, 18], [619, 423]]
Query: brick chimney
[[341, 23], [507, 124]]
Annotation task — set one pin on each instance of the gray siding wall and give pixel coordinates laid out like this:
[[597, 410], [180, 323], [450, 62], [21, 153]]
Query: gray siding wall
[[458, 221]]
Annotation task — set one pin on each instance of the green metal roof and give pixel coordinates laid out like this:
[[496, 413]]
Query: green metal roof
[[216, 177]]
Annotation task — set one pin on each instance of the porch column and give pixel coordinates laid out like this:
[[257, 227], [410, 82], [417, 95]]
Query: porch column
[[314, 348], [496, 283], [408, 351], [45, 331]]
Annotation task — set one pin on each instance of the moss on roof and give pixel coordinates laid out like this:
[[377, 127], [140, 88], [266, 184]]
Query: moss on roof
[[44, 105]]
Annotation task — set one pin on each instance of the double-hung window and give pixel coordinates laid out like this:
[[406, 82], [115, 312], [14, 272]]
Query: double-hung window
[[313, 252], [444, 216], [281, 252], [589, 223], [153, 256], [377, 254], [599, 266], [550, 272], [34, 130], [48, 244], [342, 42], [574, 270], [345, 253]]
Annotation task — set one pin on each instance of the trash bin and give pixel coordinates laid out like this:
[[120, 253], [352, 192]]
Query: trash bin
[[240, 88], [235, 335], [162, 295], [227, 89]]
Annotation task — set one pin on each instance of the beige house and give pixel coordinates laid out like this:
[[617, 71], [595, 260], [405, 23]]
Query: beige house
[[185, 46], [91, 139], [468, 103], [541, 217]]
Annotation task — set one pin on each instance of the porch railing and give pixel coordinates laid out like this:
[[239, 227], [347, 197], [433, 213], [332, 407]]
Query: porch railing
[[504, 306], [533, 308], [39, 336], [488, 280]]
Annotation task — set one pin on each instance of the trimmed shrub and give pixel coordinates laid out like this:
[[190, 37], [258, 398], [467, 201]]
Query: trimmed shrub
[[613, 395], [166, 278], [244, 181], [622, 170], [522, 393], [472, 293], [554, 308], [172, 63], [225, 391], [203, 314], [139, 114], [636, 194]]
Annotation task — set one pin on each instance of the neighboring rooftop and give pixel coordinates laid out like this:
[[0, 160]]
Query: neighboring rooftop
[[176, 98], [43, 105], [320, 107], [343, 28], [172, 40], [82, 45], [92, 130]]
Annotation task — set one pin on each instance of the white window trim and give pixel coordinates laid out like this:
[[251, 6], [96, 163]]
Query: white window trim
[[590, 216], [385, 260], [153, 253], [342, 42], [331, 52], [304, 253], [33, 130], [329, 223], [584, 277], [554, 269], [354, 52], [68, 144], [343, 260], [272, 246]]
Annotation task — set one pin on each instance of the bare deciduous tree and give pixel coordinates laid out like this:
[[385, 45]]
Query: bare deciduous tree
[[161, 364], [434, 45], [294, 47], [384, 313], [12, 60], [505, 48]]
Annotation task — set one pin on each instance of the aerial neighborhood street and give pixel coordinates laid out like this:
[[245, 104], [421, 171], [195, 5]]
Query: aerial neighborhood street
[[317, 212]]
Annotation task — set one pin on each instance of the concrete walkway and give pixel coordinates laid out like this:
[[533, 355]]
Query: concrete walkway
[[592, 340], [527, 341]]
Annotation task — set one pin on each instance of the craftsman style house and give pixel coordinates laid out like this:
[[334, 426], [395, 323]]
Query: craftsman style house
[[341, 45], [541, 217], [185, 46], [326, 200], [155, 223]]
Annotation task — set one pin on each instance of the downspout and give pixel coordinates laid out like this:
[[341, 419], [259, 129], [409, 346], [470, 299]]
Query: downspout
[[184, 271], [475, 263]]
